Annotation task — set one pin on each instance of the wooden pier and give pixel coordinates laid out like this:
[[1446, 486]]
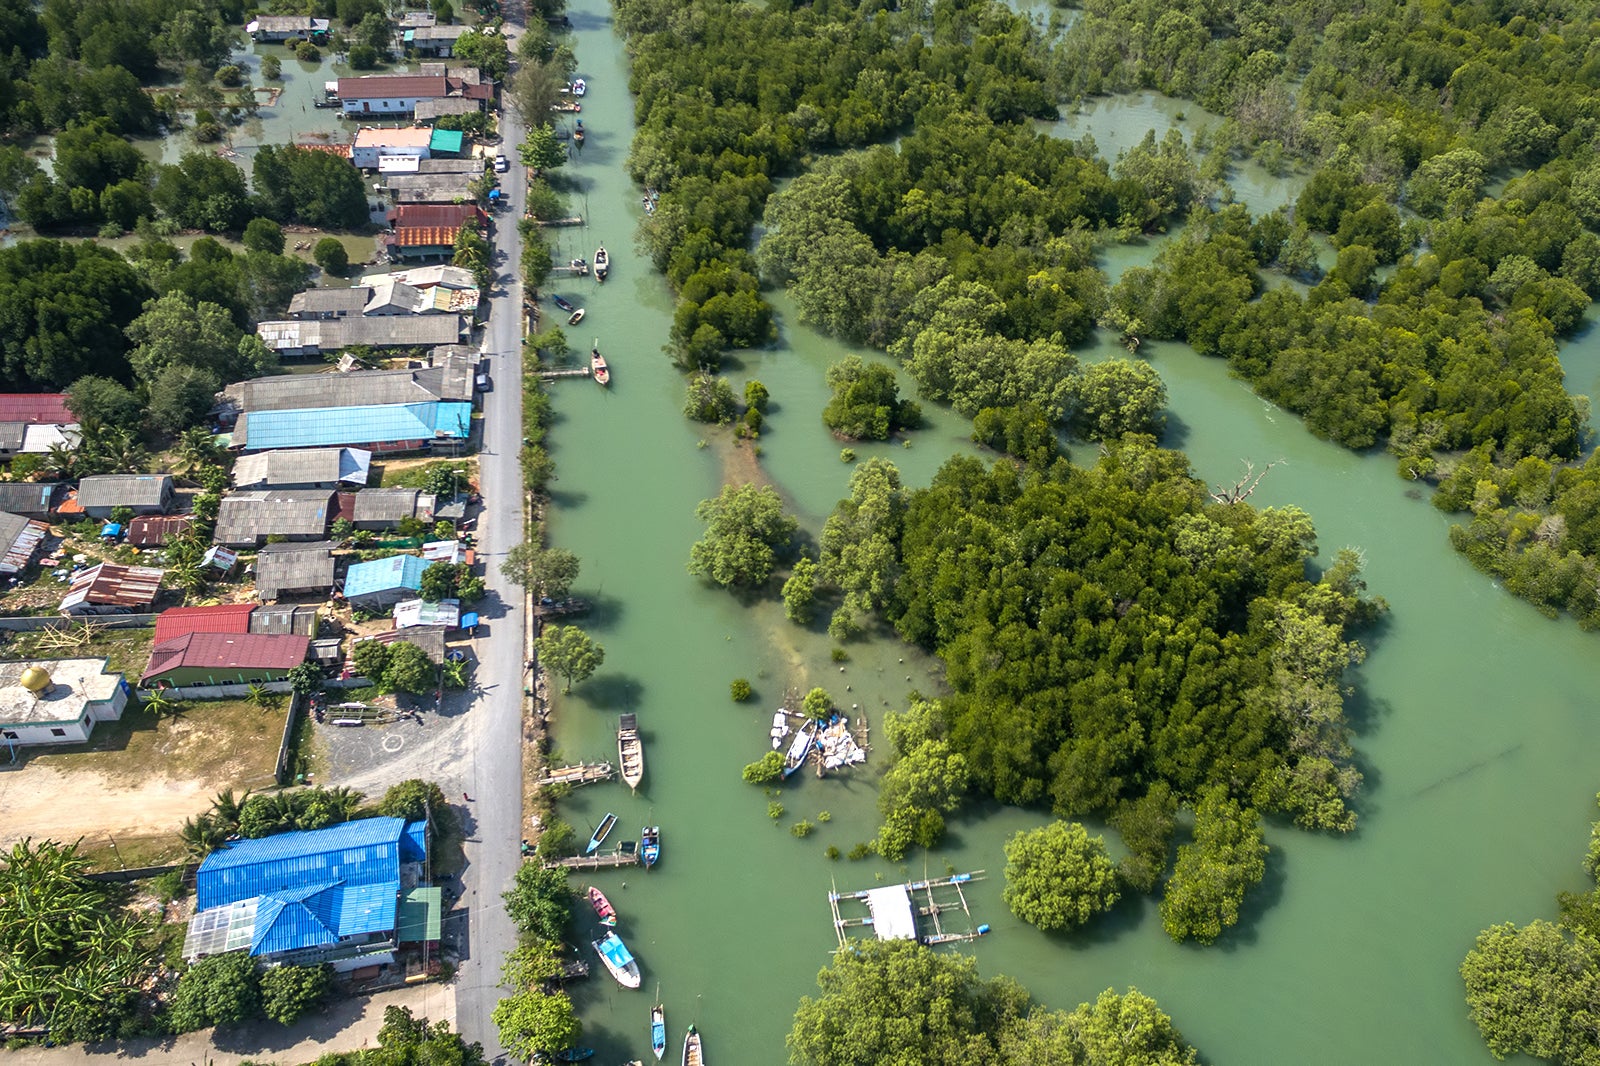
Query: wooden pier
[[626, 854], [586, 773], [575, 220], [570, 372], [569, 271], [894, 911]]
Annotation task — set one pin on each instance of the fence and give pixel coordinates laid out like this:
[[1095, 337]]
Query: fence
[[33, 622], [123, 876], [283, 771]]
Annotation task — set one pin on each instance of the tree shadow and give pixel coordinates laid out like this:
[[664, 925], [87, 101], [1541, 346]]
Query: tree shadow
[[604, 613], [565, 499], [611, 692], [1176, 435], [1257, 902]]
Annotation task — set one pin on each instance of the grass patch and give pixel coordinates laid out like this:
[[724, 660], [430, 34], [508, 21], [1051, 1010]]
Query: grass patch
[[126, 651], [132, 852], [228, 743], [403, 475]]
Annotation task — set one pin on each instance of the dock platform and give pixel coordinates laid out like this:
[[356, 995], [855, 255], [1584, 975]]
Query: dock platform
[[626, 854], [893, 911], [586, 773]]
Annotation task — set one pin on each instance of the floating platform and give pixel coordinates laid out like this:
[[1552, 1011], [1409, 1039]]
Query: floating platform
[[626, 854], [893, 911], [587, 773]]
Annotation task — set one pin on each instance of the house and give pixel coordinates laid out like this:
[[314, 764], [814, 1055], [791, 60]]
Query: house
[[294, 569], [328, 303], [31, 499], [177, 622], [303, 620], [308, 468], [286, 28], [433, 40], [385, 428], [421, 231], [426, 277], [34, 422], [399, 94], [219, 558], [154, 530], [387, 508], [446, 613], [224, 659], [325, 895], [384, 582], [450, 188], [19, 538], [374, 143], [111, 588], [429, 638], [101, 494], [433, 110], [290, 338], [246, 519], [57, 701]]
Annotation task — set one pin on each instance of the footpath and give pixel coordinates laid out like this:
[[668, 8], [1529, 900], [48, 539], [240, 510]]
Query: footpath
[[350, 1025]]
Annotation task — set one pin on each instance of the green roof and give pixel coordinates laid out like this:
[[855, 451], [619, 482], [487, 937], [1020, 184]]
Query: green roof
[[420, 912], [445, 141]]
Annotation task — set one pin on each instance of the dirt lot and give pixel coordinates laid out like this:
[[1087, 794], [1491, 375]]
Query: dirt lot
[[138, 779]]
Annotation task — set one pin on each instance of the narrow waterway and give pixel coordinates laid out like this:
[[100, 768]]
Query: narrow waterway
[[1475, 715]]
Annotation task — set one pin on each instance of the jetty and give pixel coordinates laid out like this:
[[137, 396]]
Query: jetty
[[587, 773], [625, 854], [574, 220], [566, 372], [893, 911]]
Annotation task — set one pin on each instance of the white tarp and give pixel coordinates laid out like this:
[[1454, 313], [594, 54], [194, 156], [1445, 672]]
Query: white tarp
[[891, 913]]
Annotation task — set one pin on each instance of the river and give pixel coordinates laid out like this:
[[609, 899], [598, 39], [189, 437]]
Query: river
[[1474, 713]]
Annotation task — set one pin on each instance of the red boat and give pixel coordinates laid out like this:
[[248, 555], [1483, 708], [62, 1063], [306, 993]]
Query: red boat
[[602, 907]]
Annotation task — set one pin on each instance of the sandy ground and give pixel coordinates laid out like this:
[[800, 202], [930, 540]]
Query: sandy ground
[[40, 801]]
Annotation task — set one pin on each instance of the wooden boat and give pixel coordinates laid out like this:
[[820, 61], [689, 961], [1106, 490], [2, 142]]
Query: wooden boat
[[576, 1054], [801, 747], [601, 831], [602, 907], [658, 1030], [618, 959], [630, 750], [693, 1053], [602, 263], [602, 374], [578, 134], [650, 846], [563, 303], [576, 317]]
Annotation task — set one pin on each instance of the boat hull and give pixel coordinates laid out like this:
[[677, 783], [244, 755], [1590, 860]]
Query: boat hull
[[650, 845], [658, 1030], [622, 966], [600, 833], [576, 317], [693, 1052]]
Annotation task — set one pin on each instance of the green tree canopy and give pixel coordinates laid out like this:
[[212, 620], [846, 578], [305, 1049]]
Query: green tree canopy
[[63, 307], [540, 901], [1058, 876], [1213, 874], [746, 531], [1119, 396], [570, 653], [866, 402], [217, 990], [308, 186], [408, 669], [290, 992], [542, 571], [537, 1024]]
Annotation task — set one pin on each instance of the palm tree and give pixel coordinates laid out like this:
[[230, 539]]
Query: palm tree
[[225, 809], [197, 448], [258, 695], [344, 800], [114, 450], [61, 462], [159, 703], [202, 835]]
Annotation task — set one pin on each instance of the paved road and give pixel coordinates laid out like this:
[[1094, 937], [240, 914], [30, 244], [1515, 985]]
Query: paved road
[[494, 770]]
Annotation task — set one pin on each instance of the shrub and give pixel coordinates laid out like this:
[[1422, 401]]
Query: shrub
[[331, 256], [306, 52], [740, 690], [288, 992], [774, 809], [765, 770], [802, 829]]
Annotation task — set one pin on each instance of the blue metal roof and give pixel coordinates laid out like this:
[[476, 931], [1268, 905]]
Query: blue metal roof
[[312, 427], [382, 575], [414, 842]]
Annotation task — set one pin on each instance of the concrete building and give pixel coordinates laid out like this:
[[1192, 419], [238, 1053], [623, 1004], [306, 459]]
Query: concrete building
[[287, 28], [399, 94], [436, 40], [374, 143], [57, 701]]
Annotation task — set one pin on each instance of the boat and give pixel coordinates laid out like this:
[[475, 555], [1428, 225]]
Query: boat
[[566, 305], [650, 845], [602, 374], [693, 1054], [600, 833], [800, 748], [658, 1030], [579, 87], [576, 1054], [576, 317], [780, 728], [618, 959], [602, 907], [630, 749], [602, 263], [577, 136]]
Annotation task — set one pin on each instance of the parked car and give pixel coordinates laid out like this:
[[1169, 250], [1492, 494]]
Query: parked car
[[501, 164], [482, 382]]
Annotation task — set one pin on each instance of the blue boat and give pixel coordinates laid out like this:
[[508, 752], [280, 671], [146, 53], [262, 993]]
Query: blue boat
[[650, 845], [601, 832], [658, 1029], [618, 959], [577, 1054]]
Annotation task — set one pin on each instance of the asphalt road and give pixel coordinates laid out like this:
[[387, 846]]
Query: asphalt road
[[494, 771]]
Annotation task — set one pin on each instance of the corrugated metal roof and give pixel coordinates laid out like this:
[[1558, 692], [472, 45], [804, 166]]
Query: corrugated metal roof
[[153, 530], [452, 215], [392, 87], [27, 497], [328, 301], [378, 331], [408, 613], [285, 619], [360, 852], [387, 505], [35, 408], [423, 236], [393, 137], [125, 490], [421, 910], [306, 568], [247, 518], [384, 575], [114, 585], [19, 539], [305, 466], [228, 651], [445, 141], [372, 424], [222, 618], [448, 379]]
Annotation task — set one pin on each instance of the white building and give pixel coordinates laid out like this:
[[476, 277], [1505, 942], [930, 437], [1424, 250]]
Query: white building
[[373, 145], [57, 701]]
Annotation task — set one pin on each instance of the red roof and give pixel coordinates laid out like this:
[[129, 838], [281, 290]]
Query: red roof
[[47, 408], [181, 621], [393, 87], [434, 214], [424, 236], [229, 651]]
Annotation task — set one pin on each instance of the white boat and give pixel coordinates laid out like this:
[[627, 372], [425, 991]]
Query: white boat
[[780, 729], [579, 87], [576, 317], [602, 263], [800, 748], [618, 959]]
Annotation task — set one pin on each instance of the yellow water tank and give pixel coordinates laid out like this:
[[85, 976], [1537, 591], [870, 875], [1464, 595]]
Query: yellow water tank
[[35, 679]]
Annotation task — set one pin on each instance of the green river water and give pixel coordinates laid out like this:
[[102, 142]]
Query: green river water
[[1474, 713]]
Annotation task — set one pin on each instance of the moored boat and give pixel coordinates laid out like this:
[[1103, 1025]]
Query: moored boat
[[602, 263], [693, 1053], [602, 907], [602, 374], [576, 1054], [780, 728], [579, 87], [630, 750], [578, 134], [800, 748], [658, 1030], [600, 833], [576, 317], [650, 845], [563, 303], [618, 959]]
